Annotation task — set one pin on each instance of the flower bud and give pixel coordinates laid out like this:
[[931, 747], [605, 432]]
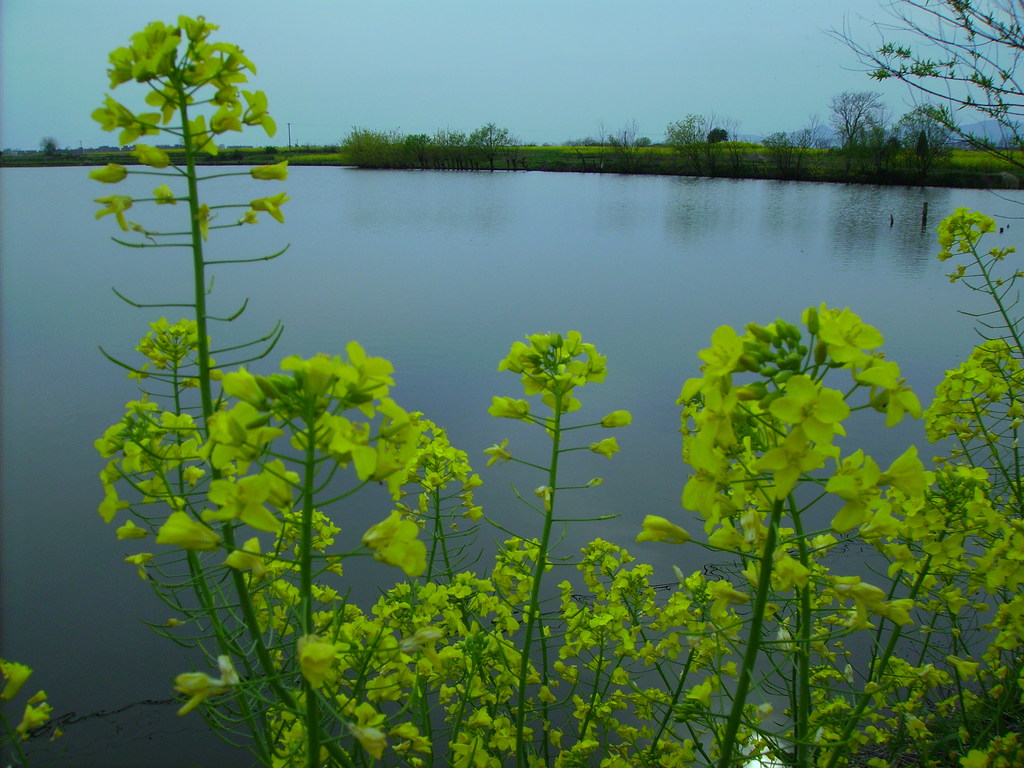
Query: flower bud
[[812, 321], [617, 419], [111, 174], [151, 156], [759, 332], [753, 391], [748, 362], [276, 172]]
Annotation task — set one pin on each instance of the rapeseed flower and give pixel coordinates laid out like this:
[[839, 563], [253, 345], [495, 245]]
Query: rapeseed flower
[[15, 675], [394, 541], [110, 174], [276, 172], [199, 686], [117, 205], [151, 156], [131, 531], [37, 712], [181, 530], [607, 447], [656, 528], [316, 658], [617, 419]]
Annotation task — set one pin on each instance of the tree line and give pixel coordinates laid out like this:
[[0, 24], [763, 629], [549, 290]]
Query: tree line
[[488, 147], [859, 141]]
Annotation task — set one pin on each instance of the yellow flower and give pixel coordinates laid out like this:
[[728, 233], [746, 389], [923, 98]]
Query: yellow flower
[[243, 500], [975, 759], [701, 693], [846, 336], [315, 658], [131, 531], [498, 453], [164, 195], [117, 205], [276, 172], [817, 409], [509, 408], [181, 530], [855, 482], [111, 174], [34, 716], [199, 686], [227, 118], [788, 572], [724, 354], [244, 386], [365, 729], [656, 528], [423, 641], [140, 560], [724, 594], [271, 205], [617, 419], [789, 461], [607, 447], [248, 558], [394, 541], [203, 216], [256, 112], [15, 674], [906, 473], [151, 156], [964, 669]]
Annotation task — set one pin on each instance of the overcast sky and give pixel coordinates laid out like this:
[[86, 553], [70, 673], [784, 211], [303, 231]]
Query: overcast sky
[[548, 71]]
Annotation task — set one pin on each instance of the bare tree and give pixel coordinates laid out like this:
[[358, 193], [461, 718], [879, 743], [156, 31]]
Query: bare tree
[[853, 113], [817, 132], [965, 53], [627, 147], [734, 149], [512, 151], [788, 153]]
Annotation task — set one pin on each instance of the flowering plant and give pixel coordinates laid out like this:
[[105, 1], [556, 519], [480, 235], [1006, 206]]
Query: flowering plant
[[240, 479]]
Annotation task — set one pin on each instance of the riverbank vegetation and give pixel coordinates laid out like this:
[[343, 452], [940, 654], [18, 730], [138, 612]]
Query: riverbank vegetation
[[779, 156]]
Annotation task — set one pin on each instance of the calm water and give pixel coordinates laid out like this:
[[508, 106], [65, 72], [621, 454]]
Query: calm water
[[440, 273]]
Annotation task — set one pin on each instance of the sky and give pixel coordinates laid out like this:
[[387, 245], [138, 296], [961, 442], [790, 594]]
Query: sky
[[548, 71]]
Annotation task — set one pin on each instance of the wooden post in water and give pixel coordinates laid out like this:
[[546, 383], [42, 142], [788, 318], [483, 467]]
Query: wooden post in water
[[924, 215]]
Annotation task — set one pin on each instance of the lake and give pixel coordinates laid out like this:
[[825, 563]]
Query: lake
[[440, 273]]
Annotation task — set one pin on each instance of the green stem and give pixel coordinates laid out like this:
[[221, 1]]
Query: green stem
[[15, 740], [312, 714], [198, 265], [802, 714], [533, 620], [732, 726], [663, 726]]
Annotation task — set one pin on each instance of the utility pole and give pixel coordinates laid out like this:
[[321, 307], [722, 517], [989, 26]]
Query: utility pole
[[289, 135]]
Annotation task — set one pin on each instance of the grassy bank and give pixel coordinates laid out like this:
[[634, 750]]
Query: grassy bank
[[962, 168]]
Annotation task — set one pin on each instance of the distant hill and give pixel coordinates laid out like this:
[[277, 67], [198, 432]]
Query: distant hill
[[992, 130]]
